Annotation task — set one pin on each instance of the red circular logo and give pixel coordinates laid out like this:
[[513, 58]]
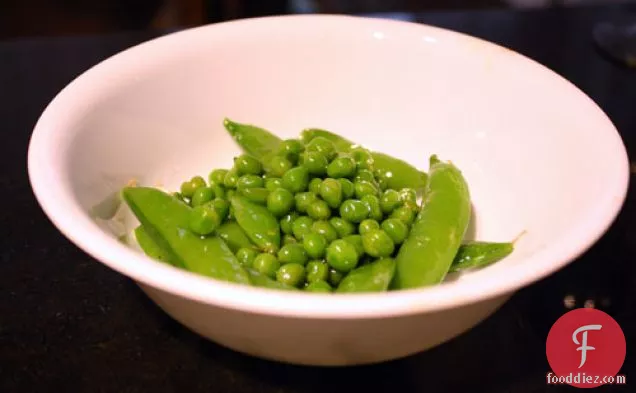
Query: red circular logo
[[585, 348]]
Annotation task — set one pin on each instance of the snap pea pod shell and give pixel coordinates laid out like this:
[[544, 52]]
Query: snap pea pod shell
[[374, 277], [151, 248], [261, 280], [165, 219], [253, 140], [234, 236], [154, 251], [479, 254], [342, 144], [259, 224], [428, 252], [403, 174]]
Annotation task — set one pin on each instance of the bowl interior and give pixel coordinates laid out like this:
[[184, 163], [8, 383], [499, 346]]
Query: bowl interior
[[539, 156]]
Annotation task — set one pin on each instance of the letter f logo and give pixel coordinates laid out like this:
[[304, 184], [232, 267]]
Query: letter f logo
[[584, 347]]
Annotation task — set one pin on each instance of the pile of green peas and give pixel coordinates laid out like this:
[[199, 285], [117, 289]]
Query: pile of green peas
[[334, 211]]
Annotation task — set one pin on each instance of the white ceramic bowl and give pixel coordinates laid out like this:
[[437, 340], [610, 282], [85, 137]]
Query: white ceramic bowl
[[538, 154]]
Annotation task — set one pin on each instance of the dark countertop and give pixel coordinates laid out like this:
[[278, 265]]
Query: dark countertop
[[69, 324]]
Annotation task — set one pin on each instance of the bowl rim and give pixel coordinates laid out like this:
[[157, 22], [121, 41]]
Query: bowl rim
[[61, 208]]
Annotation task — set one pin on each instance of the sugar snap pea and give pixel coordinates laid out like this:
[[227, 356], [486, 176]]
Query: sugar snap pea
[[428, 252], [165, 219], [397, 173], [151, 248], [374, 277], [234, 236], [259, 224], [479, 254], [253, 140]]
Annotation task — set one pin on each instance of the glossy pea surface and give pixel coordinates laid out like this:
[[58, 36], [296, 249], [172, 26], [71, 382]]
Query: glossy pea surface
[[342, 255], [354, 210]]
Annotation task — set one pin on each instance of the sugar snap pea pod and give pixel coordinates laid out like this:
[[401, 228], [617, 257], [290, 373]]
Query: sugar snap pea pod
[[480, 254], [151, 248], [341, 143], [261, 280], [397, 173], [253, 140], [165, 219], [258, 223], [374, 277], [428, 252], [234, 236]]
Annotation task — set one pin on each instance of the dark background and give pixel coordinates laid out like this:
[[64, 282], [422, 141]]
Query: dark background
[[20, 18]]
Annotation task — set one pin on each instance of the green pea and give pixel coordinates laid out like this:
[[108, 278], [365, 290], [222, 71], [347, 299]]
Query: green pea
[[202, 195], [219, 191], [396, 229], [247, 165], [325, 229], [389, 201], [342, 166], [315, 162], [296, 179], [408, 196], [317, 271], [315, 245], [314, 185], [197, 182], [319, 210], [217, 177], [322, 145], [187, 189], [266, 264], [302, 226], [280, 202], [383, 184], [250, 181], [272, 183], [292, 253], [368, 225], [319, 286], [257, 195], [290, 149], [304, 200], [364, 175], [287, 221], [331, 192], [231, 179], [229, 194], [378, 244], [356, 241], [347, 188], [289, 239], [342, 255], [405, 214], [221, 206], [353, 210], [363, 188], [383, 177], [203, 220], [292, 274], [335, 277], [246, 256], [278, 166], [342, 226], [363, 158], [373, 203]]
